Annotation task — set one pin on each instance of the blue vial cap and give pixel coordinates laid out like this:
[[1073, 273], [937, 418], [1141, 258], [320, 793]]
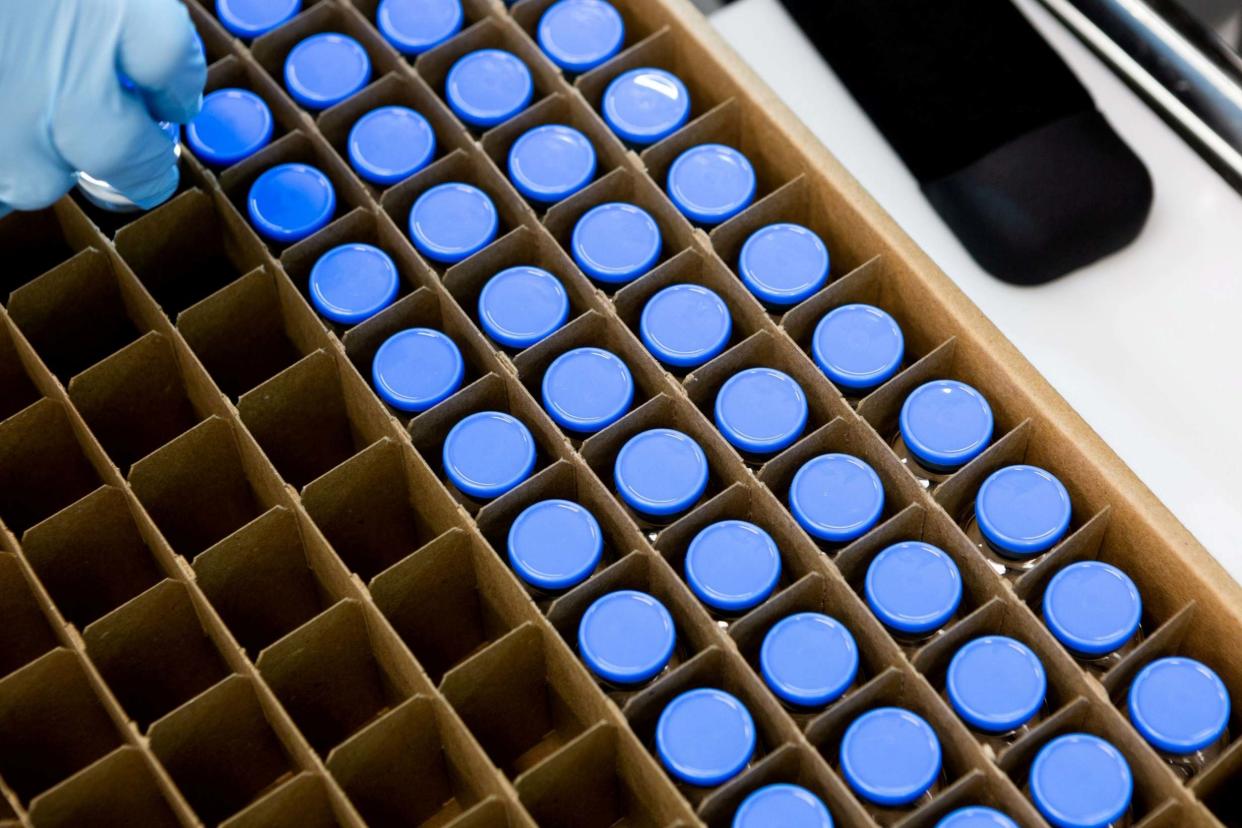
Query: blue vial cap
[[784, 805], [488, 453], [579, 35], [325, 69], [251, 18], [836, 497], [661, 472], [417, 368], [352, 283], [290, 202], [1179, 705], [626, 637], [521, 305], [684, 325], [1092, 607], [858, 347], [809, 659], [415, 26], [913, 587], [616, 242], [890, 756], [587, 389], [705, 737], [233, 125], [555, 544], [551, 162], [782, 264], [976, 816], [646, 105], [996, 684], [1081, 781], [1022, 510], [711, 183], [946, 424], [732, 565], [390, 144], [761, 410], [488, 87], [453, 221]]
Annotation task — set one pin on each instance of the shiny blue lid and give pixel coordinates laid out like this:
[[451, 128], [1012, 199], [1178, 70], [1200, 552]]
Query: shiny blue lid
[[685, 325], [705, 737], [809, 659], [782, 806], [521, 305], [353, 282], [417, 368], [732, 565], [233, 125], [890, 756], [290, 202], [488, 87], [858, 347], [996, 684], [555, 544], [416, 26], [782, 264], [551, 162], [660, 472], [1179, 705], [325, 69], [626, 637], [945, 424], [836, 497], [579, 35], [1092, 607], [1022, 510], [488, 453], [976, 816], [913, 587], [646, 105], [616, 242], [711, 183], [1081, 781], [761, 410], [390, 144], [453, 221], [251, 18], [587, 389]]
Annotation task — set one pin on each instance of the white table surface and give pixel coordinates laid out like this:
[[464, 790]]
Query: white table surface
[[1169, 306]]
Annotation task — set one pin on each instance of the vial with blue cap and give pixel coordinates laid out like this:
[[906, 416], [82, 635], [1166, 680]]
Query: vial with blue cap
[[809, 660], [732, 566], [453, 221], [704, 738], [326, 69], [914, 589], [660, 474], [684, 326], [487, 87], [351, 283], [1181, 707], [1094, 609], [389, 144], [627, 639], [417, 26], [858, 347], [485, 455], [585, 390], [615, 243], [521, 306], [290, 202], [782, 804], [645, 105], [976, 816], [233, 125], [890, 757], [549, 163], [996, 685], [249, 19], [761, 412], [553, 546], [1081, 781], [1021, 512], [943, 425], [783, 264], [837, 498], [579, 35], [109, 199], [711, 183], [416, 369]]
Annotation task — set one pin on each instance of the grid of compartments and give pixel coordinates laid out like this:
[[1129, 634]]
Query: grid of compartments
[[237, 591]]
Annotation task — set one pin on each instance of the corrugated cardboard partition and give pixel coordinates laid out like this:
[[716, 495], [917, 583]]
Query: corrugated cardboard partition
[[235, 590]]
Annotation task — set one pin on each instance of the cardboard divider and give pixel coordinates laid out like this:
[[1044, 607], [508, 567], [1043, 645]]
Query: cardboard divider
[[117, 791], [1217, 786], [25, 630], [191, 176], [43, 467], [36, 242], [301, 802], [973, 789], [492, 812], [17, 388]]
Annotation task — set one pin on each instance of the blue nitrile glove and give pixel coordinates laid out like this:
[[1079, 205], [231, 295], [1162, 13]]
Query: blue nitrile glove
[[62, 106]]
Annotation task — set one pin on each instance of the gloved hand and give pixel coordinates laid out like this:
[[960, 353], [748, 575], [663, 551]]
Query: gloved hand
[[63, 107]]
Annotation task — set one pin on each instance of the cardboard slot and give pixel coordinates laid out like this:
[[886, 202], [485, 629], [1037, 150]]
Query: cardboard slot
[[36, 242], [51, 723], [25, 631], [42, 465], [17, 388], [115, 792], [1217, 786], [302, 802], [1173, 814], [975, 788], [397, 771], [191, 176]]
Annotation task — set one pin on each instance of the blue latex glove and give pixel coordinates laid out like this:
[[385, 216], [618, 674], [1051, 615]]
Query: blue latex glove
[[62, 106]]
